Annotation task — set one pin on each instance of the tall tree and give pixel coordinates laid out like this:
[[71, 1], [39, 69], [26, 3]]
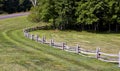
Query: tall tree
[[66, 11], [11, 6], [34, 2], [95, 14], [1, 6]]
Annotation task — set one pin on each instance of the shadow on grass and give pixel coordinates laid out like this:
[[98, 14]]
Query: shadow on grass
[[50, 27]]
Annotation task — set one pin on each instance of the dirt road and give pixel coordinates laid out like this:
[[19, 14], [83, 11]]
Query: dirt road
[[13, 15]]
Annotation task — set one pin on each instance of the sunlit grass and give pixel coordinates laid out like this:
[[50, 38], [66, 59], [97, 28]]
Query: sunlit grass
[[109, 43], [18, 53]]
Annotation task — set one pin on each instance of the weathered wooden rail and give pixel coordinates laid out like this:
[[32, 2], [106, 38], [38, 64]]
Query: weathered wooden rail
[[113, 58]]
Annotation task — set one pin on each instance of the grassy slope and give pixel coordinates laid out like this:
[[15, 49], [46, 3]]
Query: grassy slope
[[108, 43], [18, 53]]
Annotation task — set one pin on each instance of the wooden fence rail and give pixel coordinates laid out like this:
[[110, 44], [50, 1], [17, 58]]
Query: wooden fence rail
[[114, 58]]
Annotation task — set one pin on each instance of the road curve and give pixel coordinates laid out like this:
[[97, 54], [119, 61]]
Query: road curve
[[13, 15]]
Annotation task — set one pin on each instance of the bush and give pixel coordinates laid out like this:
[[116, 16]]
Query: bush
[[34, 16]]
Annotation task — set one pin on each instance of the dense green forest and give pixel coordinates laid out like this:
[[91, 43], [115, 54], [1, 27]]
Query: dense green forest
[[89, 15], [12, 6]]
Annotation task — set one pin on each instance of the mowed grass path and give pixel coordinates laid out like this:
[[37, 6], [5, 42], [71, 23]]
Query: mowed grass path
[[18, 53], [109, 43]]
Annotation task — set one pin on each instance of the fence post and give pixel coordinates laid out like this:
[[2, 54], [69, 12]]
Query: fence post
[[32, 37], [37, 38], [28, 35], [119, 59], [98, 53], [51, 42], [63, 46], [78, 49], [43, 39]]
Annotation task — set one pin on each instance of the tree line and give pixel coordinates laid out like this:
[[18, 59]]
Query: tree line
[[90, 15], [12, 6]]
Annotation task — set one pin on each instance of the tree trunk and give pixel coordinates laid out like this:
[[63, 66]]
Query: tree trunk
[[89, 27], [109, 28], [54, 23], [95, 29], [61, 27], [116, 27], [82, 27], [92, 27], [34, 2]]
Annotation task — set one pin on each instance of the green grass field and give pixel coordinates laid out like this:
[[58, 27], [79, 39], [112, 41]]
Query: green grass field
[[18, 53]]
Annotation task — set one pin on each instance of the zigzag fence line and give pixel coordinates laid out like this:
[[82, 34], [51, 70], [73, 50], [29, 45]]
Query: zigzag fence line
[[113, 58]]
